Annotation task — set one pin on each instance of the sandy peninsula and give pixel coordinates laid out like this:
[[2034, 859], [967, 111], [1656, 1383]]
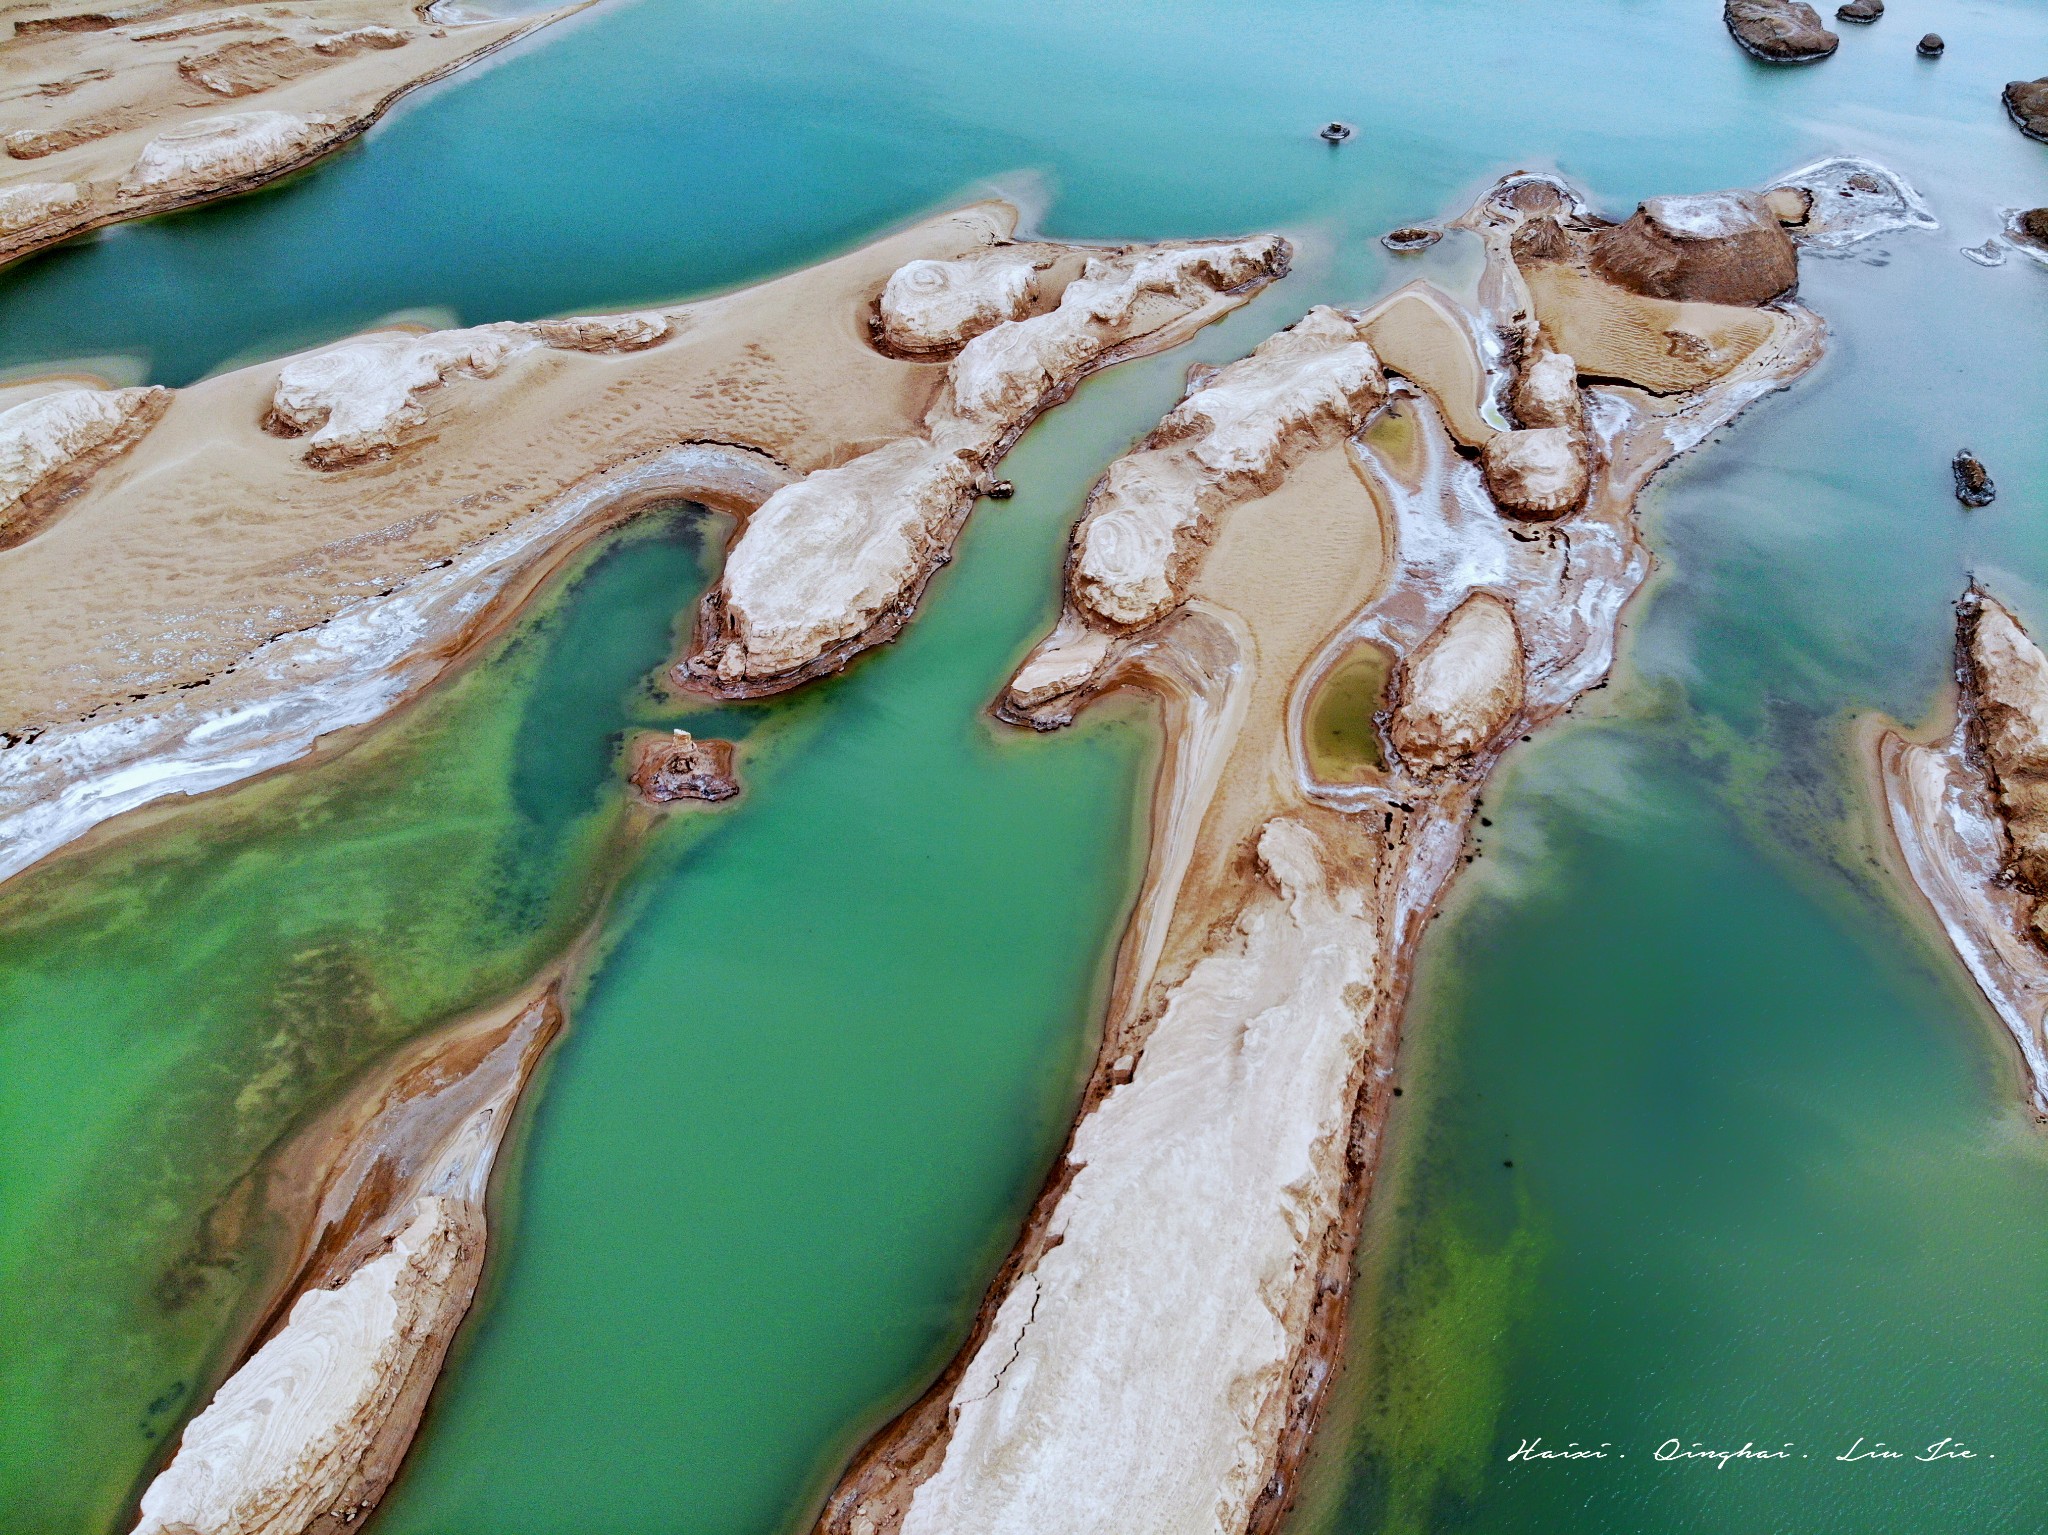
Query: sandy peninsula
[[121, 111], [201, 583], [1969, 816], [1453, 491], [388, 1191]]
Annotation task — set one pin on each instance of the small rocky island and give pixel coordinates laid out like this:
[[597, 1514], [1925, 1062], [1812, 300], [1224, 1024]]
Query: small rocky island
[[1780, 31]]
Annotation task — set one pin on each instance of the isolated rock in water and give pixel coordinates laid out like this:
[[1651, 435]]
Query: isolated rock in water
[[1973, 481], [2005, 679], [49, 444], [359, 400], [680, 767], [932, 306], [23, 207], [1864, 11], [203, 154], [1011, 371], [1780, 31], [1411, 237], [1230, 439], [1461, 687], [2027, 101], [1716, 248], [1930, 46]]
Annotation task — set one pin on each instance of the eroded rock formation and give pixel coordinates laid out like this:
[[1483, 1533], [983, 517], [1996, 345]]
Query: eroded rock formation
[[1717, 248], [1779, 31], [834, 564], [1969, 813], [940, 306], [362, 399], [1460, 689], [676, 766], [2027, 103], [51, 444]]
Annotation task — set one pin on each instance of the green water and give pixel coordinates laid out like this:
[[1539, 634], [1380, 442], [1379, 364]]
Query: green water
[[1769, 1182], [1343, 743]]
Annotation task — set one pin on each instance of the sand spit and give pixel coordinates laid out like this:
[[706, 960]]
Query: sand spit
[[117, 114], [389, 1190], [1970, 814], [1154, 1354], [222, 594], [835, 564]]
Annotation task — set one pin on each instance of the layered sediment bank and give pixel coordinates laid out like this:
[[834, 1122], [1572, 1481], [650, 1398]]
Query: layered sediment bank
[[388, 1190], [1969, 813], [1154, 1353], [120, 113], [294, 548]]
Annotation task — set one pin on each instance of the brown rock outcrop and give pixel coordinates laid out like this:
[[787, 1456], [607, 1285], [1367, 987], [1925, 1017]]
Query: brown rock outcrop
[[1716, 248], [2004, 679], [2027, 102], [677, 766], [1779, 31]]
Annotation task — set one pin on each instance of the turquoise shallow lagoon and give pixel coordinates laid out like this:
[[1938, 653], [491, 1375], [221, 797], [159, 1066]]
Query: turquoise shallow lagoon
[[1770, 1181]]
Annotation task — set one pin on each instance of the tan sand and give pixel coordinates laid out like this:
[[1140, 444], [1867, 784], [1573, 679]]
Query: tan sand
[[1154, 1354], [112, 113]]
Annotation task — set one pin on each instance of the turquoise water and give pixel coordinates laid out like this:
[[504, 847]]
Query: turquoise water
[[1769, 1180]]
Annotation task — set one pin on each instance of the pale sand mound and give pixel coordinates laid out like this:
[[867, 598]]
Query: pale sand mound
[[1461, 689], [934, 306], [50, 445], [126, 115], [1420, 334], [1663, 345]]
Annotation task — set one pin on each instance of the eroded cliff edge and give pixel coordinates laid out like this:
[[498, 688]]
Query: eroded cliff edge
[[1969, 814], [1154, 1353]]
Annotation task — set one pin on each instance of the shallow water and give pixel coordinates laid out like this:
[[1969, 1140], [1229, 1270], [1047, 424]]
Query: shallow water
[[1343, 744], [1769, 1181]]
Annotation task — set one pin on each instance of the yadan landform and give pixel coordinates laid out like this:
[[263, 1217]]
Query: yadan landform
[[1341, 566]]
